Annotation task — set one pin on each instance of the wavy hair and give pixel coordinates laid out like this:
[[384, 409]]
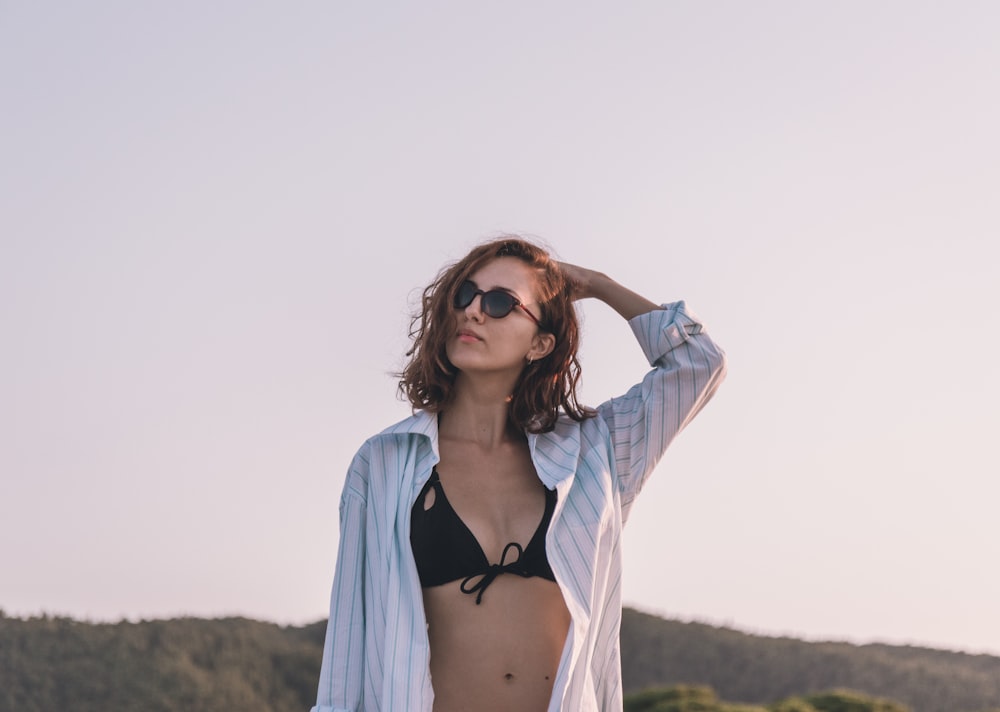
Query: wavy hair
[[544, 387]]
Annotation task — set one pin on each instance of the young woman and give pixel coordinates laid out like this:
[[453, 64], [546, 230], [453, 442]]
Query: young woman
[[480, 546]]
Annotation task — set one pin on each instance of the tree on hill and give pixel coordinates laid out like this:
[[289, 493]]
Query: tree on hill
[[792, 704], [848, 701], [699, 698], [683, 698]]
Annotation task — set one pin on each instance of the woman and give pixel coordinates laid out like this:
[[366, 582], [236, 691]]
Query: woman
[[480, 562]]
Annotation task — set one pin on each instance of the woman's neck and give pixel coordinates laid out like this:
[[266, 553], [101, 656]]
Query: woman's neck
[[479, 412]]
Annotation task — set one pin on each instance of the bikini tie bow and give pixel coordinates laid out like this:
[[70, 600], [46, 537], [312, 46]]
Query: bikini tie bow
[[489, 576]]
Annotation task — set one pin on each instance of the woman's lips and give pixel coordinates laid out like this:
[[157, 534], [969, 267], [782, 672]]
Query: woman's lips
[[467, 337]]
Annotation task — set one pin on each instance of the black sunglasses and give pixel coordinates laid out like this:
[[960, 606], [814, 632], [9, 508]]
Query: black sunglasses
[[495, 303]]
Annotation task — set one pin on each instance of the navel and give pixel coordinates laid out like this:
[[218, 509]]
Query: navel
[[509, 677]]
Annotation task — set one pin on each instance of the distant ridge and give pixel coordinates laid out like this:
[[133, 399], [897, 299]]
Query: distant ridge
[[761, 669], [217, 665]]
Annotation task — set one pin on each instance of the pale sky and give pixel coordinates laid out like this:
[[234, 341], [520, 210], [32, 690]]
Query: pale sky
[[214, 219]]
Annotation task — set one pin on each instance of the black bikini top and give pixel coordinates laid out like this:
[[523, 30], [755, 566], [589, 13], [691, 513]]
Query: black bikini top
[[446, 549]]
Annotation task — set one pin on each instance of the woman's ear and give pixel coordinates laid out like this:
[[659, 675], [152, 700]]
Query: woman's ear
[[541, 347]]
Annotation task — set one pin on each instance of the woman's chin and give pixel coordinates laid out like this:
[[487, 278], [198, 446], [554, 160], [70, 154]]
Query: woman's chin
[[472, 367]]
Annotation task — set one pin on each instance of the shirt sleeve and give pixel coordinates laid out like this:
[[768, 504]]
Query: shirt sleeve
[[341, 679], [687, 369]]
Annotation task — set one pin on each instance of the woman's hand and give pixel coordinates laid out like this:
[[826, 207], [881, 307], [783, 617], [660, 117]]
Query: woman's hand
[[586, 283], [579, 279]]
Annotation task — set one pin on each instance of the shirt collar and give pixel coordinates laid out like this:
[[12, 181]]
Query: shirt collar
[[421, 422], [556, 454]]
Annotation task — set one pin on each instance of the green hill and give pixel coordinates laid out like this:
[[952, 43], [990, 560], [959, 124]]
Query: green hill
[[755, 668], [195, 665], [198, 665]]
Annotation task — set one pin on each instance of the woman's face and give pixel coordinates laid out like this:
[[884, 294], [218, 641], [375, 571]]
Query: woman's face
[[480, 343]]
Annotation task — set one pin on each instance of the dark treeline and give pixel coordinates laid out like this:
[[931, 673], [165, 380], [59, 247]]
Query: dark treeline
[[758, 669], [198, 665], [694, 698], [186, 664]]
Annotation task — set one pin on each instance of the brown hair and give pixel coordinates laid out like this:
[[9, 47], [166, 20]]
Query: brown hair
[[545, 385]]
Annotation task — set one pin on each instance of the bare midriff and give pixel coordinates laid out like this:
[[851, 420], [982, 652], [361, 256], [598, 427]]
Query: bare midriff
[[500, 655]]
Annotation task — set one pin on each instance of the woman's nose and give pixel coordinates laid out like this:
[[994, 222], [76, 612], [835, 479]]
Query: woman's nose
[[474, 310]]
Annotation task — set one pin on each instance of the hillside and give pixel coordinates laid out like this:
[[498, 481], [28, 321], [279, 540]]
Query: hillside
[[218, 665], [752, 668], [185, 664]]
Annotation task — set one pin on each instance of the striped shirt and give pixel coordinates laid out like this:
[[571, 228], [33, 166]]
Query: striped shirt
[[377, 653]]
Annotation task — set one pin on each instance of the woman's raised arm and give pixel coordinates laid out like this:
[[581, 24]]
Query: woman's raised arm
[[588, 283]]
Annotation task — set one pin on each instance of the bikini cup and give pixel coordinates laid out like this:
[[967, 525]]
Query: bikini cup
[[446, 550]]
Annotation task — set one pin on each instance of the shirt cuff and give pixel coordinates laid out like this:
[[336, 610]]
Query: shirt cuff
[[661, 330]]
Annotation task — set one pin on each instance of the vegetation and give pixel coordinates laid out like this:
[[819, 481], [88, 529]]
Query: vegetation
[[739, 666], [238, 664], [157, 666], [688, 698], [684, 698]]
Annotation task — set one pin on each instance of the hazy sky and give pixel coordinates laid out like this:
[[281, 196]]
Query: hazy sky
[[215, 218]]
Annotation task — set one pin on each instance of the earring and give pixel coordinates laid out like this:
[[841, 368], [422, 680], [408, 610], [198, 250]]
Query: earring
[[530, 360]]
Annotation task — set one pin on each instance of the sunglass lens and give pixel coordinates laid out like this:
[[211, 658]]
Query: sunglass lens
[[465, 294], [497, 304]]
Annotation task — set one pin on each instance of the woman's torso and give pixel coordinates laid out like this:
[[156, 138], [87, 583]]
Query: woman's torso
[[502, 653]]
